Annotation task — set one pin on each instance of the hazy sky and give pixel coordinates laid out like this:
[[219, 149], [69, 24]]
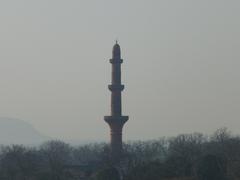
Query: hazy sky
[[181, 65]]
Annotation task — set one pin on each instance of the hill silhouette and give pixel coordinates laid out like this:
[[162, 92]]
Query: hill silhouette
[[16, 131]]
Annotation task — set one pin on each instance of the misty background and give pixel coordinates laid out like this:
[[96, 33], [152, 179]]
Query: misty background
[[180, 71]]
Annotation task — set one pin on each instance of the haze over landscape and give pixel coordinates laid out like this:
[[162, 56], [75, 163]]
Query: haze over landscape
[[180, 71]]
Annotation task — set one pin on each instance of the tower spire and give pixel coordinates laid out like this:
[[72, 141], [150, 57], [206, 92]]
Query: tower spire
[[116, 52], [116, 120]]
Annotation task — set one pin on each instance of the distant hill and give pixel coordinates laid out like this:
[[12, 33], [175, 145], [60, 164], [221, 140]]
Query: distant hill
[[16, 131]]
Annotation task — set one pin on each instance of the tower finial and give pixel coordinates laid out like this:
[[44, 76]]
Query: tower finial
[[116, 53], [116, 41]]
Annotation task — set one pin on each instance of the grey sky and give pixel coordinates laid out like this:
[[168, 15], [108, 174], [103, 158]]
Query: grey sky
[[181, 65]]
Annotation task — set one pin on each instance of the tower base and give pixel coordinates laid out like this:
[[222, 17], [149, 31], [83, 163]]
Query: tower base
[[116, 124]]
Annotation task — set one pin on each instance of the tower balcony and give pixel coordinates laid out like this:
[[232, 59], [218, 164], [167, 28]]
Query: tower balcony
[[116, 87], [116, 61], [116, 120]]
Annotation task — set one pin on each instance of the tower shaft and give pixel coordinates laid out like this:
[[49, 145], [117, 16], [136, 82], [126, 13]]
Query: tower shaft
[[116, 120]]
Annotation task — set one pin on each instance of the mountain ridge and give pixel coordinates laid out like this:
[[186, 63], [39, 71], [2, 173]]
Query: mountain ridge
[[17, 131]]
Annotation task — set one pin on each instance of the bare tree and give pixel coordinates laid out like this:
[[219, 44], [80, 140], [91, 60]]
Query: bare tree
[[56, 155], [18, 162]]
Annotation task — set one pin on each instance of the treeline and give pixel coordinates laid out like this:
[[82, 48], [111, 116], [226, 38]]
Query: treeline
[[187, 157], [184, 157]]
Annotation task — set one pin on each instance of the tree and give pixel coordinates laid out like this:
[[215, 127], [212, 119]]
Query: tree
[[18, 163], [183, 154], [147, 171], [212, 167], [56, 155], [108, 173]]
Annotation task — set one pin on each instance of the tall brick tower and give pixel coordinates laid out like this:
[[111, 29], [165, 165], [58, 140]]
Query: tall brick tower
[[116, 120]]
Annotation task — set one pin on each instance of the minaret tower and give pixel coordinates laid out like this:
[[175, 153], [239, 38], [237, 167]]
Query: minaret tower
[[116, 120]]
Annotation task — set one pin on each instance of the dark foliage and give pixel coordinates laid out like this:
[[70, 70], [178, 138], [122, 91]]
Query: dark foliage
[[212, 167], [188, 156], [108, 173]]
